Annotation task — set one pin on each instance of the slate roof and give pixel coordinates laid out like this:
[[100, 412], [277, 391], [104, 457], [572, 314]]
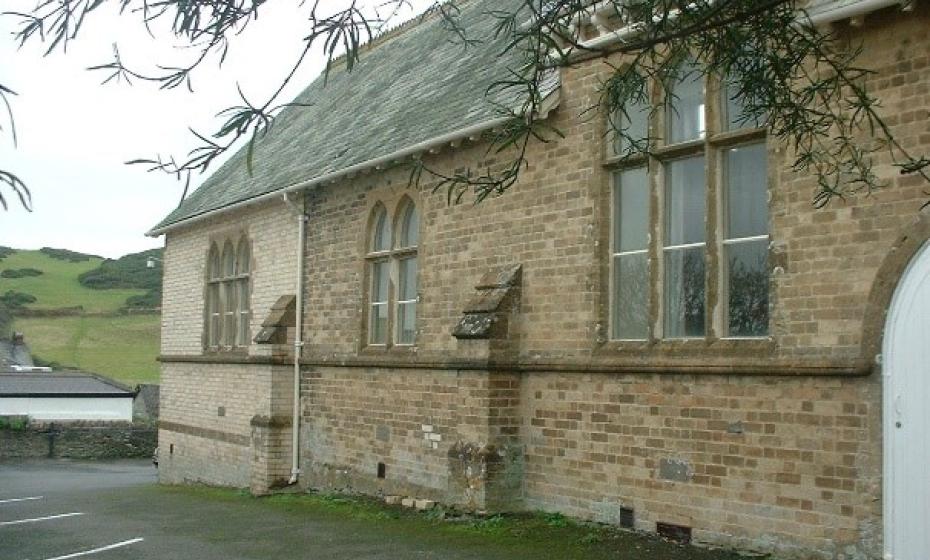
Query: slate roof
[[59, 384], [414, 86]]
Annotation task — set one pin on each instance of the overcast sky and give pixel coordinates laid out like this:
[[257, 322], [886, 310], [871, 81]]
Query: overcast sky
[[75, 134]]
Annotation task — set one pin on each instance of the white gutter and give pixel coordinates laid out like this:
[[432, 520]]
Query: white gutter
[[848, 11], [301, 214], [342, 173], [856, 9]]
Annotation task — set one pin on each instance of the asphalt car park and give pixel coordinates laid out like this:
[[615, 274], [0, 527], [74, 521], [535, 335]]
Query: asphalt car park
[[53, 510], [59, 510]]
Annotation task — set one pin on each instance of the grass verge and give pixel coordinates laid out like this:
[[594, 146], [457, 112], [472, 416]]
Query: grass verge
[[529, 535]]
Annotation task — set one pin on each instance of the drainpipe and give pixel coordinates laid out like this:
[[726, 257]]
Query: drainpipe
[[298, 336]]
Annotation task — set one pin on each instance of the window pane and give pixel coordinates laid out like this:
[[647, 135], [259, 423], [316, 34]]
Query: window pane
[[411, 227], [242, 258], [230, 314], [634, 124], [406, 322], [631, 297], [733, 106], [408, 279], [244, 338], [215, 330], [214, 263], [229, 260], [378, 326], [748, 288], [379, 282], [684, 201], [381, 240], [631, 210], [213, 314], [685, 113], [684, 292], [746, 177]]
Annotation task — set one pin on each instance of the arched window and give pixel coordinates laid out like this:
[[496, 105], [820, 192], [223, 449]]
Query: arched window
[[406, 256], [409, 226], [243, 335], [230, 295], [227, 295], [379, 266], [214, 307], [392, 273], [381, 238]]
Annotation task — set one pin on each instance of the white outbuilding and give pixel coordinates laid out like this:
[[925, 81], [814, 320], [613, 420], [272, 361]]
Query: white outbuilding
[[63, 395]]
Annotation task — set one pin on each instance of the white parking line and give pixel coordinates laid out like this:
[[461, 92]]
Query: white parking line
[[36, 519], [11, 500], [96, 550]]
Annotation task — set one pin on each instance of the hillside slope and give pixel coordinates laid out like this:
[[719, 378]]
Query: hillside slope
[[121, 347], [101, 339], [58, 285]]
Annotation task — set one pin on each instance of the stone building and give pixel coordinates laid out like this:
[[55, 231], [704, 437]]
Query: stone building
[[702, 354]]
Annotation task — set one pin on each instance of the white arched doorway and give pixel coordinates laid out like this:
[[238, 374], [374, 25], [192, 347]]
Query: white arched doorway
[[906, 414]]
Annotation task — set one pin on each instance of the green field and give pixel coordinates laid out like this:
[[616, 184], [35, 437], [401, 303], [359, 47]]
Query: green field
[[121, 347], [58, 285]]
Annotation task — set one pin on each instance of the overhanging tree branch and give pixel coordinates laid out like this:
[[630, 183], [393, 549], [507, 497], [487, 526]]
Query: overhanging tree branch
[[798, 81]]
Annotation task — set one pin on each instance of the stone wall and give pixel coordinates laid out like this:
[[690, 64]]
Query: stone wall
[[209, 417], [145, 404], [436, 434], [207, 407], [77, 440], [773, 463], [556, 222], [770, 444], [790, 465], [272, 230]]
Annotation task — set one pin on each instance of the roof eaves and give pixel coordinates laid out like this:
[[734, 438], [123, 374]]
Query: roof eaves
[[820, 12]]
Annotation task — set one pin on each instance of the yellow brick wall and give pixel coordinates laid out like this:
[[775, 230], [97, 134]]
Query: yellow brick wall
[[555, 222], [272, 229], [202, 402], [772, 463], [782, 461]]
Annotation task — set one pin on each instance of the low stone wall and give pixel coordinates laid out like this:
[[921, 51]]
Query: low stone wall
[[77, 440]]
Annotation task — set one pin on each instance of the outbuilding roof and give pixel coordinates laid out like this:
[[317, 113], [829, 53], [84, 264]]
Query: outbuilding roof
[[59, 384], [412, 86]]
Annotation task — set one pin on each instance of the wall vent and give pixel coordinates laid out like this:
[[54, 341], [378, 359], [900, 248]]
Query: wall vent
[[672, 532], [625, 517]]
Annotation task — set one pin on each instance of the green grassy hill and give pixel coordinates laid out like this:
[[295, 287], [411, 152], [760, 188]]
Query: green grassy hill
[[102, 340], [122, 347], [58, 284]]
